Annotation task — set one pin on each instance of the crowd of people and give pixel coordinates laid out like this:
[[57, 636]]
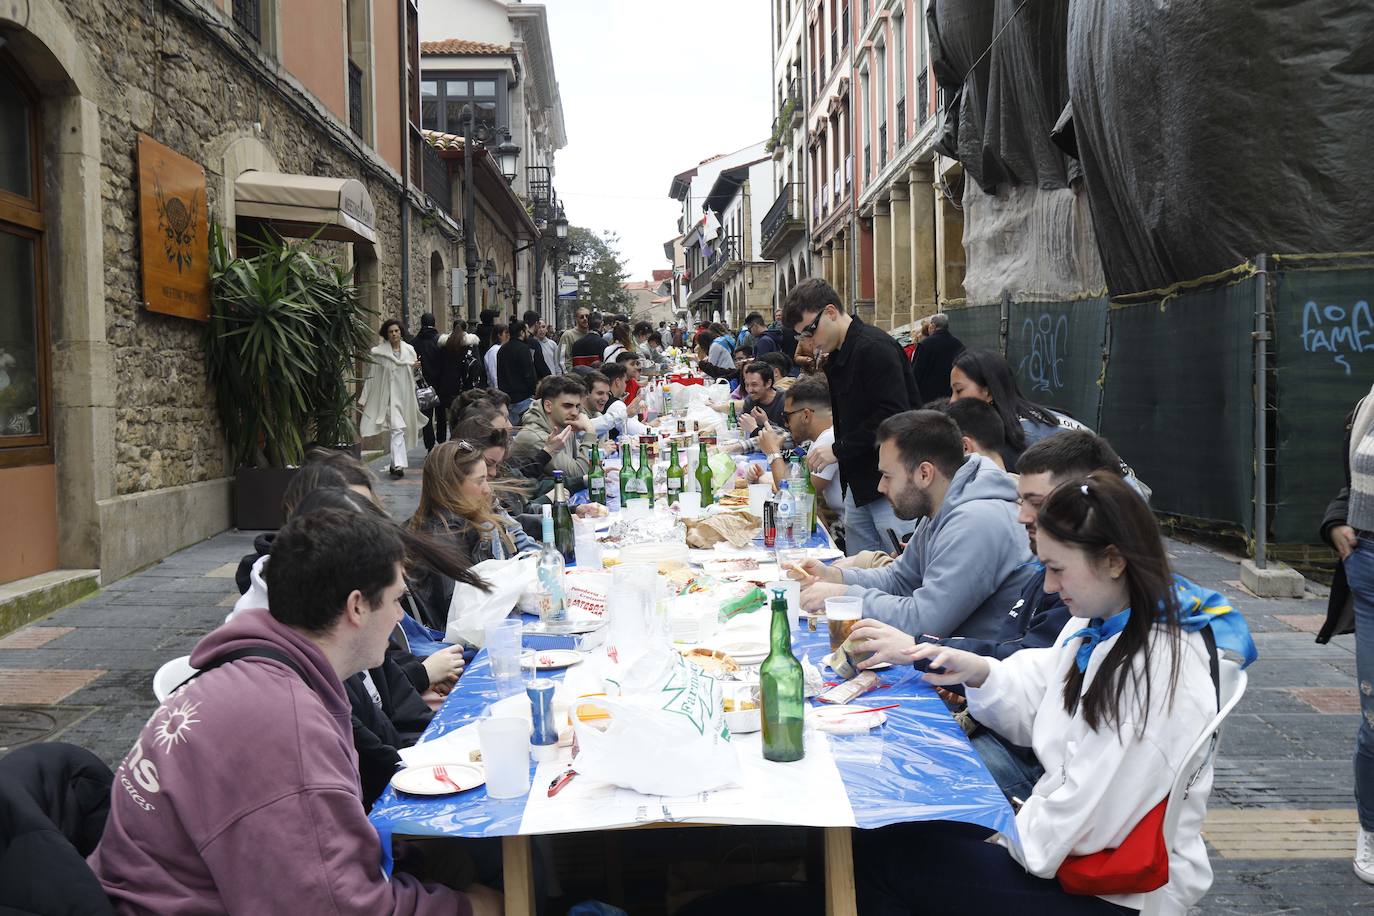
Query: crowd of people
[[998, 545]]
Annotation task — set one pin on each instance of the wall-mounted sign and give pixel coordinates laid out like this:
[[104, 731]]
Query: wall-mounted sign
[[173, 231], [567, 287]]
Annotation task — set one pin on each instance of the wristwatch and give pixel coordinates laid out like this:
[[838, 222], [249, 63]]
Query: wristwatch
[[776, 456]]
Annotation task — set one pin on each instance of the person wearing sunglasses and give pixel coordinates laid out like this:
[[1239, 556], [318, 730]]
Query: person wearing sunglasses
[[806, 413], [870, 380]]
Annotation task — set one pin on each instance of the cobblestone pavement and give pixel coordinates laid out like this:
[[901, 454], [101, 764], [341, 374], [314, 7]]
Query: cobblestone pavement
[[1281, 820]]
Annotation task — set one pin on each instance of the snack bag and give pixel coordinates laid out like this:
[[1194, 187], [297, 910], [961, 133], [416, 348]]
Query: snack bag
[[667, 739]]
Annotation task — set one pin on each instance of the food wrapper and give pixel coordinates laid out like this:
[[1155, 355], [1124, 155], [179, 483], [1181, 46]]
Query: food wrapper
[[750, 601], [844, 661], [812, 681], [722, 470], [738, 528], [654, 529], [850, 690]]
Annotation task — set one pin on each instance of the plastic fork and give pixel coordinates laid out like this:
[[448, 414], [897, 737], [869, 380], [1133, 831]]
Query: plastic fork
[[441, 774]]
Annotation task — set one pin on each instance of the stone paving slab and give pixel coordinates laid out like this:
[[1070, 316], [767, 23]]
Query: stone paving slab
[[32, 637], [20, 687]]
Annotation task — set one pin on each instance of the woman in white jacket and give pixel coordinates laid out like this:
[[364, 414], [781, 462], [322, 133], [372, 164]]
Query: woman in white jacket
[[388, 399], [1110, 710]]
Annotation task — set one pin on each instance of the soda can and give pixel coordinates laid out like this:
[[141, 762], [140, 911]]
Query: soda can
[[544, 734]]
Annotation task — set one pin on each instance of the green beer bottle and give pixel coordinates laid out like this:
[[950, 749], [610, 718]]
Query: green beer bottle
[[704, 477], [646, 471], [676, 477], [810, 488], [731, 421], [781, 690], [596, 477], [627, 473]]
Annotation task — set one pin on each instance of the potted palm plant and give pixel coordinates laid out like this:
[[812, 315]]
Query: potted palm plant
[[287, 330]]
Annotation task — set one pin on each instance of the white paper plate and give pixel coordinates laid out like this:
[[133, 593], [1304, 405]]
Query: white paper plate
[[551, 659], [422, 781], [848, 719], [746, 652], [823, 553]]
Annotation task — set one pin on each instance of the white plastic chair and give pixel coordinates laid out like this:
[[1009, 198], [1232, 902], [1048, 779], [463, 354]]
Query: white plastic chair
[[171, 676], [1232, 680]]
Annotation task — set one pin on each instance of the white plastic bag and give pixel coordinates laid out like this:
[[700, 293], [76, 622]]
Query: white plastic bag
[[669, 739], [719, 393], [471, 609]]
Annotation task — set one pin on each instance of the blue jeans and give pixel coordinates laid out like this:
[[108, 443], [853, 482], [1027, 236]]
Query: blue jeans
[[517, 410], [945, 867], [1359, 573], [1014, 771], [865, 527]]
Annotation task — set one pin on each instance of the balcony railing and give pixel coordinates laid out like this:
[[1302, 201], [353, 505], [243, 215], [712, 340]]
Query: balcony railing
[[785, 217], [882, 145], [901, 122], [437, 183], [922, 97], [727, 249], [355, 97], [248, 16]]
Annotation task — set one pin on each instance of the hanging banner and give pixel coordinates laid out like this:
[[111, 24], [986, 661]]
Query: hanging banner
[[174, 250]]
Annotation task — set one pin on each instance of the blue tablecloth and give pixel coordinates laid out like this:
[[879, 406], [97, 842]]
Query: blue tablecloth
[[917, 766]]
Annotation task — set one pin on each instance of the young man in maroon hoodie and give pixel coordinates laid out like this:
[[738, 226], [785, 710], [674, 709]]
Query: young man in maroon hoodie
[[241, 793]]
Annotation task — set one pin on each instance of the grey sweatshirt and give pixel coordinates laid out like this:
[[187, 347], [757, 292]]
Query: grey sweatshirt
[[963, 567]]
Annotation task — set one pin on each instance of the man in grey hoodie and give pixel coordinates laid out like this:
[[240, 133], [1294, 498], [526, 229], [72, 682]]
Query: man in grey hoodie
[[967, 559]]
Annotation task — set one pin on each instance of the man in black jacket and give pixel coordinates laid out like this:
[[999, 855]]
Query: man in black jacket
[[870, 380], [934, 357], [515, 372], [427, 347]]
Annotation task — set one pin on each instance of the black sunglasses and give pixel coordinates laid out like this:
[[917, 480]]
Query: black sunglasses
[[811, 328]]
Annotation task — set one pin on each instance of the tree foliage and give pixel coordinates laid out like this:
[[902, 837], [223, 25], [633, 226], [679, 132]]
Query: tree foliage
[[598, 256]]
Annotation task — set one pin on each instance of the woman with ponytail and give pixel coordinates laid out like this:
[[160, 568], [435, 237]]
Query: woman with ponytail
[[1110, 709]]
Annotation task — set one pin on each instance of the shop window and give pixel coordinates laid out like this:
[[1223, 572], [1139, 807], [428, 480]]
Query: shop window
[[24, 381]]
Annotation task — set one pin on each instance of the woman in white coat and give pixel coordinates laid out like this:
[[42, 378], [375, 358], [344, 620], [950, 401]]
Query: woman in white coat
[[388, 400], [1110, 709]]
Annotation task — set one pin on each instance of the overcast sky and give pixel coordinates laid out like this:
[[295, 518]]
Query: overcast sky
[[650, 88]]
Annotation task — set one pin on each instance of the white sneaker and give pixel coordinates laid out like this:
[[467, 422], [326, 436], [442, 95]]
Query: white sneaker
[[1364, 856]]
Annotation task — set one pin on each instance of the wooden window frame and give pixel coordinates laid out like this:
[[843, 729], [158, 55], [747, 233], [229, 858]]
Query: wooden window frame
[[23, 216]]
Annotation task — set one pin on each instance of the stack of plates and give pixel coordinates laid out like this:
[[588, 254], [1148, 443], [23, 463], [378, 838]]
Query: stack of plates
[[746, 652]]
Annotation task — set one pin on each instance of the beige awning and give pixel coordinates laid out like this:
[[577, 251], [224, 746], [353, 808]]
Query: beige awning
[[302, 205]]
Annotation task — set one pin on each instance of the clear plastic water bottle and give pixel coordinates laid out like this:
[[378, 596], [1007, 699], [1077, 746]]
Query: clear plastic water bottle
[[787, 510], [552, 608]]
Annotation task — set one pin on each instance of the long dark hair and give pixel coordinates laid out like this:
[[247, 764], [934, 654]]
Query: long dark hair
[[989, 370], [422, 551], [1093, 514]]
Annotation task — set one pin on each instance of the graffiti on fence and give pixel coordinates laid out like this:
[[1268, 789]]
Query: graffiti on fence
[[1045, 342], [1337, 330]]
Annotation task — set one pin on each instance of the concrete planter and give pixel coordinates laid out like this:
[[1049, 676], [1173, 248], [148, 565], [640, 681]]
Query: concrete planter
[[257, 497]]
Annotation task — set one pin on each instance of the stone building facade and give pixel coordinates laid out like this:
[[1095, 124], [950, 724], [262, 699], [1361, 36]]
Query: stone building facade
[[133, 464]]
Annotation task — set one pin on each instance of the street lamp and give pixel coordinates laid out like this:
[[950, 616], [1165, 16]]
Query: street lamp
[[508, 155], [560, 226]]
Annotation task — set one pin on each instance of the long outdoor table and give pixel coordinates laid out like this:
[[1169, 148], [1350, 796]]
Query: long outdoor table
[[917, 766]]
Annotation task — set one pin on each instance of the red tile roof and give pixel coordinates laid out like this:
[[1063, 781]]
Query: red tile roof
[[463, 46]]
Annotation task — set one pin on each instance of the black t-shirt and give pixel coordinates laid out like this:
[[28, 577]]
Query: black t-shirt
[[589, 344], [774, 410]]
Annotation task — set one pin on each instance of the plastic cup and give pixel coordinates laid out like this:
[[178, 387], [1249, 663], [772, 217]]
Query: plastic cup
[[586, 549], [503, 646], [758, 495], [842, 612], [793, 590], [505, 743], [689, 503], [636, 509]]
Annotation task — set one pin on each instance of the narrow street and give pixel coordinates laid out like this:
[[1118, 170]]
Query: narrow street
[[1280, 820]]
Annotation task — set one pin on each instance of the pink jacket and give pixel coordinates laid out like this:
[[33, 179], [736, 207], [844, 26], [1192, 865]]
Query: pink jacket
[[241, 796]]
